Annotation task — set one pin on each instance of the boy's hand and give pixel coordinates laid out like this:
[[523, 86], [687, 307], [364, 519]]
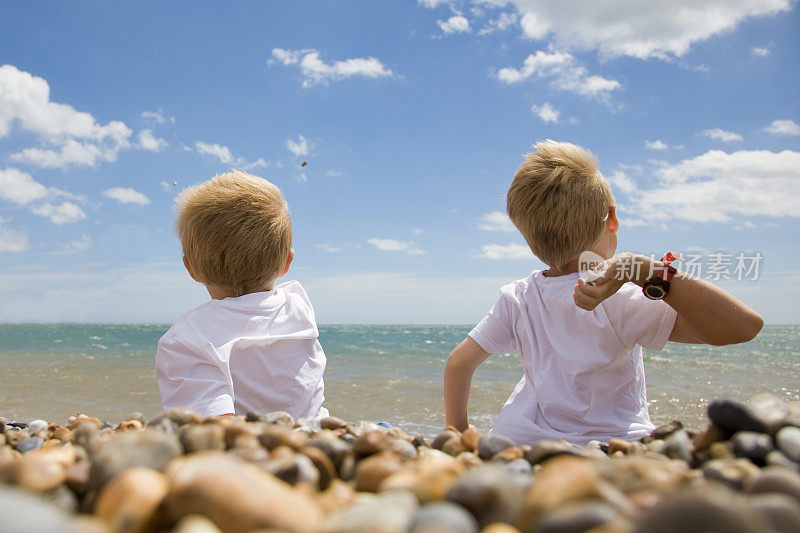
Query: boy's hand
[[606, 280]]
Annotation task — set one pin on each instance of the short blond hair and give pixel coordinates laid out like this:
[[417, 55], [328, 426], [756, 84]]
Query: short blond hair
[[559, 201], [235, 230]]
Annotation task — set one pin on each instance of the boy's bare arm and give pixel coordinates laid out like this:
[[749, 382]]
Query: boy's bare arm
[[461, 364], [706, 313]]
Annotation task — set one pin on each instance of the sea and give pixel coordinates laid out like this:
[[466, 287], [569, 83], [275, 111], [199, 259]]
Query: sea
[[377, 373]]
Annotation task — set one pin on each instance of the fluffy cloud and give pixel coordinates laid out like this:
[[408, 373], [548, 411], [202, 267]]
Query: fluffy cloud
[[20, 187], [719, 186], [70, 137], [658, 144], [151, 143], [564, 73], [391, 245], [546, 112], [783, 127], [496, 221], [64, 213], [315, 71], [157, 117], [455, 24], [11, 240], [635, 29], [299, 148], [126, 196], [722, 135], [505, 251]]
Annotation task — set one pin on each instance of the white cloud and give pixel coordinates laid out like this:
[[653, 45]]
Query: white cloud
[[11, 240], [65, 213], [151, 143], [501, 23], [635, 29], [505, 251], [157, 117], [299, 148], [329, 248], [658, 144], [759, 51], [81, 245], [546, 112], [223, 153], [719, 186], [333, 174], [783, 127], [722, 135], [564, 73], [622, 182], [69, 136], [496, 221], [431, 4], [20, 187], [315, 71], [126, 195], [259, 163], [391, 245], [455, 24]]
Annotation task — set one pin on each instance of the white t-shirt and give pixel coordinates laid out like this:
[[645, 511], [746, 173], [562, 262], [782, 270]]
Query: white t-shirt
[[583, 370], [256, 352]]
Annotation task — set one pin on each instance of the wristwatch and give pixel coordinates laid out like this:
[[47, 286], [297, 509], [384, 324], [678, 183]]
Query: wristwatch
[[657, 287]]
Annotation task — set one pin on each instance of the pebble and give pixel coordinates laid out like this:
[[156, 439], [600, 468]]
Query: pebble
[[196, 524], [781, 512], [776, 479], [576, 517], [389, 512], [491, 444], [202, 437], [734, 473], [788, 440], [754, 446], [678, 446], [443, 517], [770, 410], [235, 495], [21, 511], [332, 422], [33, 472], [35, 426], [371, 471], [30, 444], [294, 470], [700, 513], [281, 418], [130, 501], [488, 492], [731, 416]]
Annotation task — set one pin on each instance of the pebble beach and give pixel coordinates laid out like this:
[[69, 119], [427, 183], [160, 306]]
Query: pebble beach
[[268, 472]]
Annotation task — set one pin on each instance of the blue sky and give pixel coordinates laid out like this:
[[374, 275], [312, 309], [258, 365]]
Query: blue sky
[[413, 117]]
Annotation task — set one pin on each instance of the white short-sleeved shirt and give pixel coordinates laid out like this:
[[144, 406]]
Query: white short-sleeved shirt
[[255, 352], [583, 370]]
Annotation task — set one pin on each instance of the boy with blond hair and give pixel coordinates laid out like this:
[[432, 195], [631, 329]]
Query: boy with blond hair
[[580, 341], [253, 346]]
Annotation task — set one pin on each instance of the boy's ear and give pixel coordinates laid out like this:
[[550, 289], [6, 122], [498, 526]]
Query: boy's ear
[[189, 268], [289, 260], [612, 222]]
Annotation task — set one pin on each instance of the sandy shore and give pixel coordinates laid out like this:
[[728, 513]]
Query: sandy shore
[[268, 472]]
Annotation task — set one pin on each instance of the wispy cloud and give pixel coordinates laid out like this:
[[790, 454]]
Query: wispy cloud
[[759, 51], [722, 135], [316, 72], [658, 144], [329, 248], [496, 221], [126, 196], [505, 251], [12, 240], [157, 117], [64, 213], [564, 73], [299, 148], [391, 245]]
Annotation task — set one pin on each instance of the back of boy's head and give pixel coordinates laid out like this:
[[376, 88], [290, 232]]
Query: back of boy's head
[[235, 230], [559, 201]]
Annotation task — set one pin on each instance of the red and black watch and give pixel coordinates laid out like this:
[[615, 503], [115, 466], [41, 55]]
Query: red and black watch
[[657, 287]]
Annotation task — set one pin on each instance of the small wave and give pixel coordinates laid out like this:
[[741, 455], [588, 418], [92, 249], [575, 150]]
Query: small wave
[[94, 338], [101, 346]]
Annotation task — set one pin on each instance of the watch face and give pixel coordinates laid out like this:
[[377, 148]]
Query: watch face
[[654, 292]]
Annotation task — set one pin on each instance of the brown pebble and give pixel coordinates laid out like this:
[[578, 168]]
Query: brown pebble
[[371, 471], [236, 496], [708, 437], [618, 445], [470, 438], [370, 442], [508, 455], [202, 437], [34, 473], [721, 450], [443, 437], [196, 524], [130, 501], [331, 422], [776, 479], [130, 425], [337, 496], [323, 463], [453, 446], [499, 527]]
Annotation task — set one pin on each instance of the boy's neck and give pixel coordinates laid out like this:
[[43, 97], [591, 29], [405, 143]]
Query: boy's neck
[[569, 268], [220, 293]]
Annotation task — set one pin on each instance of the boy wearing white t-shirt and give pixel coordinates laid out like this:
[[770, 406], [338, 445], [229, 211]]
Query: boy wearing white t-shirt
[[580, 342], [253, 346]]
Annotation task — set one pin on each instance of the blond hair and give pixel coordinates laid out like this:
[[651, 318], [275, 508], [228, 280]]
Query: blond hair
[[235, 230], [559, 201]]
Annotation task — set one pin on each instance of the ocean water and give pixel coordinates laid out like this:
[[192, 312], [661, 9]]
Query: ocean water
[[391, 373]]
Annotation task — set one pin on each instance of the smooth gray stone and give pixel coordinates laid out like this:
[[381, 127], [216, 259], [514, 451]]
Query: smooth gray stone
[[788, 440], [697, 513], [770, 410], [489, 492], [35, 426], [30, 444], [491, 443], [678, 446], [389, 511], [733, 416], [776, 479], [781, 511], [444, 517], [21, 511], [576, 518], [753, 446]]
